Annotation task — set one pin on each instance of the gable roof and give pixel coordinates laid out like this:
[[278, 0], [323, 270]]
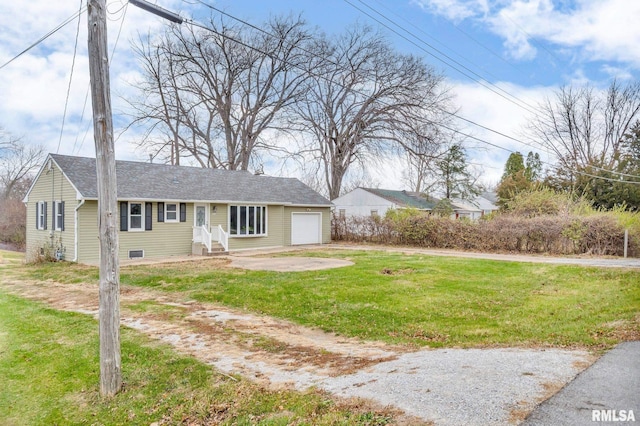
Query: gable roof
[[405, 199], [148, 181], [478, 203]]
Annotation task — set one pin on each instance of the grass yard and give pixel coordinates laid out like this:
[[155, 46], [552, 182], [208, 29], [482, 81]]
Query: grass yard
[[410, 299], [49, 376]]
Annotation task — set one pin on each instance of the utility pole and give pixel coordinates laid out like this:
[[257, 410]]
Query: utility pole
[[109, 294]]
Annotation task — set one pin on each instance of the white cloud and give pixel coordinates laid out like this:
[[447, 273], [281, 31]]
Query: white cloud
[[601, 29], [499, 114], [617, 72], [33, 88]]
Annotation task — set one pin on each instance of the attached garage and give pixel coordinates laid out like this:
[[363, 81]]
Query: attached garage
[[306, 228]]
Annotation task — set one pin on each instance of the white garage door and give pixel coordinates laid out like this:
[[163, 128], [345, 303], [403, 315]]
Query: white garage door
[[306, 228]]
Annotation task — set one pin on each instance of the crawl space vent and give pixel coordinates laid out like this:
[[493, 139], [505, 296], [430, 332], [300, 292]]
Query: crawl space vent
[[134, 254]]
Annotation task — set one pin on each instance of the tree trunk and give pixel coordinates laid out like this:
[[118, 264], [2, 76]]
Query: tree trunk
[[110, 362]]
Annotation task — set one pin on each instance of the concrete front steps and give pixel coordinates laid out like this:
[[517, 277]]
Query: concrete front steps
[[199, 249]]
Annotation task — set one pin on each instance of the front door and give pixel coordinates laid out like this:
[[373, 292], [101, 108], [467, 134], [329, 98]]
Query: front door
[[201, 216]]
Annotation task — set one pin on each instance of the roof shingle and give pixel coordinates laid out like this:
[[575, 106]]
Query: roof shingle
[[180, 183], [414, 200]]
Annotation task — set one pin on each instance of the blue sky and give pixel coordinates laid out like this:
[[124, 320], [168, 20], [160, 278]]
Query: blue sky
[[523, 49]]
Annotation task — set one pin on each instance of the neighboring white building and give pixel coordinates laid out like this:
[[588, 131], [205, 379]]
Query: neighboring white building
[[473, 209], [373, 201]]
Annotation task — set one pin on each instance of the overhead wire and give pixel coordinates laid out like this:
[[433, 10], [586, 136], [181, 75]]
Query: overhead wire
[[197, 24], [73, 63], [465, 71], [86, 98], [44, 37], [417, 28], [455, 115]]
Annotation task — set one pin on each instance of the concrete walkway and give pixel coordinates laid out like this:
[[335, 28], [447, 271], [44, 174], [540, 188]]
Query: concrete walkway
[[606, 392]]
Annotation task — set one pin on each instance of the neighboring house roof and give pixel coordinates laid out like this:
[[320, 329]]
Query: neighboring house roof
[[485, 203], [464, 205], [177, 183], [474, 204], [405, 199], [492, 197]]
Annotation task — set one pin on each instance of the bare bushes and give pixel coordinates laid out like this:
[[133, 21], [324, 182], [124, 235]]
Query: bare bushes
[[565, 234], [12, 222], [373, 229]]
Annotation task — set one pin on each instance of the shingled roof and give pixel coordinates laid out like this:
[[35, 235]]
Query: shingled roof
[[405, 199], [147, 181]]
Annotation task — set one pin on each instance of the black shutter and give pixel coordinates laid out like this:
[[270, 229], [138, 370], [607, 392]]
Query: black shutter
[[62, 214], [123, 216], [37, 214], [160, 212], [44, 212], [183, 212], [148, 218]]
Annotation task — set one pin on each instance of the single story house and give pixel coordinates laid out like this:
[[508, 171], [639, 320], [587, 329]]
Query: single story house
[[474, 208], [169, 210], [373, 201]]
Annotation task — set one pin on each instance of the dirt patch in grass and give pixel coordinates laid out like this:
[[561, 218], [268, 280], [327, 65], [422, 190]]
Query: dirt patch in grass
[[210, 332], [390, 271]]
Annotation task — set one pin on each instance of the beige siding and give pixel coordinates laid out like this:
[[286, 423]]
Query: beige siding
[[88, 243], [274, 238], [165, 238], [170, 239], [219, 217], [51, 186], [326, 222]]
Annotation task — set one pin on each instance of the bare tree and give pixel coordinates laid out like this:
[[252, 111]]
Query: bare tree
[[364, 99], [17, 161], [584, 127], [214, 93]]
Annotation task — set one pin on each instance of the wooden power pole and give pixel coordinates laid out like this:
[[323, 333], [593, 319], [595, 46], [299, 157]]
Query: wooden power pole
[[110, 361]]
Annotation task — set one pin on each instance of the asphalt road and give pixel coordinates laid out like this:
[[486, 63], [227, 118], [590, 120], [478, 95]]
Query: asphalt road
[[608, 392]]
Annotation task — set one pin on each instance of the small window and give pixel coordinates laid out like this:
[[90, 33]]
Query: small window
[[135, 217], [342, 213], [41, 215], [374, 213], [171, 212], [58, 215]]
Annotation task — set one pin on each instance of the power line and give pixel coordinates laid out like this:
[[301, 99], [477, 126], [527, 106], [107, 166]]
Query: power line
[[417, 28], [73, 63], [608, 179], [475, 76], [197, 24], [86, 98], [44, 37]]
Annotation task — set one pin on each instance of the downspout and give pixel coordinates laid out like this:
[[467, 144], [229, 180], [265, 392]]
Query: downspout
[[75, 229]]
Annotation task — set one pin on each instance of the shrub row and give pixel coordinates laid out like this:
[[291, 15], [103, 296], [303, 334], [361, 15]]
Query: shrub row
[[566, 234]]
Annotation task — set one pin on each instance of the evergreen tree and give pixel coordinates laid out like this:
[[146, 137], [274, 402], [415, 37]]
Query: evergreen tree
[[456, 180]]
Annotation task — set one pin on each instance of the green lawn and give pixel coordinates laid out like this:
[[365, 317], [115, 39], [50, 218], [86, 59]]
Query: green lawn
[[411, 299], [49, 373]]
